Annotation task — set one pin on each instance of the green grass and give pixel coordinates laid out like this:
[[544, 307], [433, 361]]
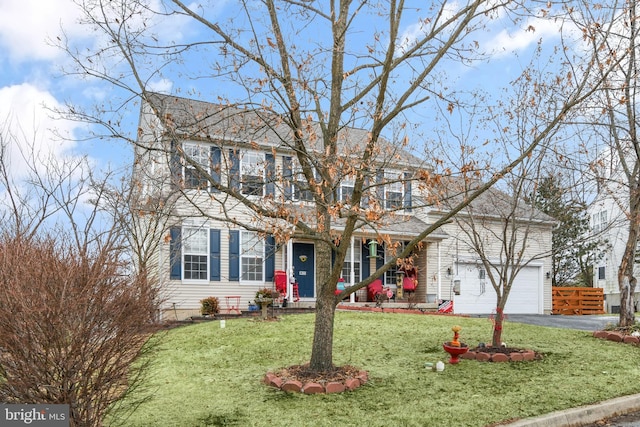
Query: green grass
[[207, 376]]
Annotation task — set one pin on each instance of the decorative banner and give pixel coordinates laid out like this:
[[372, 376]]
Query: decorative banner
[[446, 306]]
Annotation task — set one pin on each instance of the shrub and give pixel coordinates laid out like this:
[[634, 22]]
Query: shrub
[[210, 306], [267, 293], [72, 324]]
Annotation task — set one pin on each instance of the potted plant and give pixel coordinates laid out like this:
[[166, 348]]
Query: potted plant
[[265, 296], [210, 306]]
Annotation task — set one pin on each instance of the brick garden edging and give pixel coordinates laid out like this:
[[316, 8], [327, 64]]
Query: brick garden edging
[[617, 337], [515, 356], [294, 386]]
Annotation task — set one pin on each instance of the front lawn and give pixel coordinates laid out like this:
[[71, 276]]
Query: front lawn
[[204, 375]]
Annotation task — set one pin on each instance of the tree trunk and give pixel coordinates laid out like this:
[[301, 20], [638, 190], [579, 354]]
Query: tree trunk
[[322, 348], [627, 306], [626, 279], [497, 327]]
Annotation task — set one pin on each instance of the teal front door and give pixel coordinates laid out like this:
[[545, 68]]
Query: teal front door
[[304, 269]]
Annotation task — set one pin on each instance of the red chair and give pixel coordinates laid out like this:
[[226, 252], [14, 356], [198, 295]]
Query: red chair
[[373, 289], [280, 279], [410, 280]]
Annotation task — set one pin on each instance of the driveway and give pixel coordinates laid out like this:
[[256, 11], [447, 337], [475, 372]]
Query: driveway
[[585, 323]]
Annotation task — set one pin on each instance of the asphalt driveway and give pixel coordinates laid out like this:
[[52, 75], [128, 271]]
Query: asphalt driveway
[[585, 323]]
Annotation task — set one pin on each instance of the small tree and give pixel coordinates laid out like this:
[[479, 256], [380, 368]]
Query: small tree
[[501, 228]]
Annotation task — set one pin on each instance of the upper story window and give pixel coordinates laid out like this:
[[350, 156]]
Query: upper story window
[[346, 189], [195, 253], [252, 168], [197, 167], [301, 190], [602, 273], [393, 190], [599, 221], [196, 156], [251, 256]]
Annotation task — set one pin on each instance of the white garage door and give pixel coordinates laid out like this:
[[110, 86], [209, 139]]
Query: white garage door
[[477, 296]]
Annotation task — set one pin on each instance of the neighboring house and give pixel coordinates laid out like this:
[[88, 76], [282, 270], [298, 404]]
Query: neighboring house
[[610, 223], [505, 228], [207, 253]]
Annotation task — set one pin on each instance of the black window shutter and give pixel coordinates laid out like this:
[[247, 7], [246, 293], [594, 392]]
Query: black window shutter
[[287, 177], [270, 258], [175, 254], [407, 191], [270, 174], [214, 255], [234, 255], [215, 166], [175, 167], [234, 174], [366, 271], [380, 188]]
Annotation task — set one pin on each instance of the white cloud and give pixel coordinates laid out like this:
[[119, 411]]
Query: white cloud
[[162, 86], [418, 30], [26, 25], [519, 39], [28, 126]]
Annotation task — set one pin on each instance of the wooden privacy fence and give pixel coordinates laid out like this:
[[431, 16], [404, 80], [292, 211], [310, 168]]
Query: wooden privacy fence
[[578, 300]]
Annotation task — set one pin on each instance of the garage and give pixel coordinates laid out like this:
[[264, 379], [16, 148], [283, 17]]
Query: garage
[[477, 296]]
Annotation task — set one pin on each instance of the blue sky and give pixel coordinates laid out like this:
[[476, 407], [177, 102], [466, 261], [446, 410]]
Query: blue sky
[[31, 82]]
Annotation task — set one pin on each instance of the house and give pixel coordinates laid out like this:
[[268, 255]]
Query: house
[[210, 162], [610, 223]]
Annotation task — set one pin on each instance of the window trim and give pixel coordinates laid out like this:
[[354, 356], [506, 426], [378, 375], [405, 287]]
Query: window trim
[[260, 165], [347, 182], [599, 221], [398, 180], [257, 240], [191, 231], [298, 177], [204, 151], [357, 264], [391, 275]]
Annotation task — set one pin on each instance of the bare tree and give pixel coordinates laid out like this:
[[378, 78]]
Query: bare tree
[[141, 219], [73, 317], [502, 227], [507, 233], [304, 77], [612, 32]]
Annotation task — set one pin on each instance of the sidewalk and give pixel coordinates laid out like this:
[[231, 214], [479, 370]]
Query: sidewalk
[[583, 415]]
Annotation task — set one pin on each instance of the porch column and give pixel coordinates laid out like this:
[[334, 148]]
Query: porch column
[[352, 273], [289, 269], [439, 289]]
